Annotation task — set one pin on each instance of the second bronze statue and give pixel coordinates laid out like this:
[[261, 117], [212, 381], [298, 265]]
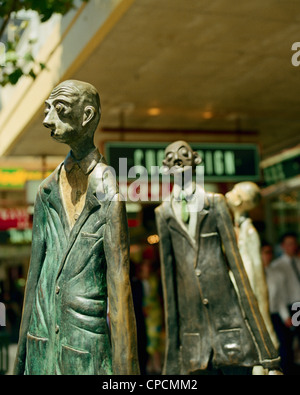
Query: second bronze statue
[[210, 326]]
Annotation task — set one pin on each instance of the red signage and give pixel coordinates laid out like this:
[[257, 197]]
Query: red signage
[[14, 218]]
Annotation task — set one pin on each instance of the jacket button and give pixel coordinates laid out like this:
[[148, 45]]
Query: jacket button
[[57, 290], [205, 301], [198, 272], [76, 216], [56, 328]]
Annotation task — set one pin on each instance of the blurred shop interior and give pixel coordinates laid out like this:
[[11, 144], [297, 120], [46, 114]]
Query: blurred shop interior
[[220, 78]]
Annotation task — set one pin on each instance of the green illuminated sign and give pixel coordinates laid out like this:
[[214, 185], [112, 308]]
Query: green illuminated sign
[[222, 162], [283, 170]]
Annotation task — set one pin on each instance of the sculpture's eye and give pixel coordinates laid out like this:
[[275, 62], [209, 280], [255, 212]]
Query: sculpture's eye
[[169, 156], [59, 107], [47, 110], [184, 152]]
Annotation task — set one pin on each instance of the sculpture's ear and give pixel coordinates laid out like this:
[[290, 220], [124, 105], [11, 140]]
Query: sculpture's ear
[[197, 158], [89, 113]]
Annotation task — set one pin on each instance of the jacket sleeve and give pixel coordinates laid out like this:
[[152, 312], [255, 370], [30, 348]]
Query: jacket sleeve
[[259, 286], [171, 362], [268, 355], [122, 317], [38, 251]]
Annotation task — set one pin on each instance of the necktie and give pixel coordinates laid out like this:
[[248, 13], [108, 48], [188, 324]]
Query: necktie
[[185, 215]]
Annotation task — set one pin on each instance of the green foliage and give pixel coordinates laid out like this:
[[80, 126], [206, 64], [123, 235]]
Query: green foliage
[[16, 66], [45, 8]]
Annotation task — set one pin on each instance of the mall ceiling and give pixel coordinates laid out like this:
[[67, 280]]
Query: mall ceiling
[[199, 65]]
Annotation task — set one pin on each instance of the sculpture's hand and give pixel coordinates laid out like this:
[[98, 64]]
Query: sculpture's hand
[[275, 373]]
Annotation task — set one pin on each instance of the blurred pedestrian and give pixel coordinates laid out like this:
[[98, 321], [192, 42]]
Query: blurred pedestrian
[[284, 287], [267, 253]]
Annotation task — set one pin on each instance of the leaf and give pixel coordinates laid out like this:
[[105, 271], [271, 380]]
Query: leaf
[[28, 57], [15, 76], [32, 74], [11, 57]]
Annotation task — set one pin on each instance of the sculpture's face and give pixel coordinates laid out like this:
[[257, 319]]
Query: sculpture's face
[[64, 114], [178, 156], [236, 197]]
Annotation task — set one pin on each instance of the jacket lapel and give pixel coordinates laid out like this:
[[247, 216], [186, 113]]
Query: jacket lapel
[[200, 218], [54, 199], [173, 223]]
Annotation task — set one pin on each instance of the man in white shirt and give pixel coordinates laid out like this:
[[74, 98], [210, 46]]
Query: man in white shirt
[[283, 278]]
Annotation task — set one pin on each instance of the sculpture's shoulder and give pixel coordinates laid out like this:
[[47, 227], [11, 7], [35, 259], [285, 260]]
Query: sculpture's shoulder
[[164, 208], [215, 198], [47, 184], [249, 227]]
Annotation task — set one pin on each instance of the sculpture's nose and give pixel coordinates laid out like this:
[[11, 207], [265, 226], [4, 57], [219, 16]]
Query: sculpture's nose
[[47, 124], [49, 121]]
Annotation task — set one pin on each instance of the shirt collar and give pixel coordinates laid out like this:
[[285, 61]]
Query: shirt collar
[[242, 219], [187, 193], [87, 164]]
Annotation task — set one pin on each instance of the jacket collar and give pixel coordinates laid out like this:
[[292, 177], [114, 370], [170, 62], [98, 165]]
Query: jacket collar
[[52, 190], [175, 224]]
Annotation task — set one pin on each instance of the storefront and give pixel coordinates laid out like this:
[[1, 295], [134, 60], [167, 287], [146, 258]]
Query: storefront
[[282, 194]]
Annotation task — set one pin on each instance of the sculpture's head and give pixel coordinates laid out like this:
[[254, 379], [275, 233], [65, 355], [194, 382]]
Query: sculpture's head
[[72, 111], [179, 155], [244, 196]]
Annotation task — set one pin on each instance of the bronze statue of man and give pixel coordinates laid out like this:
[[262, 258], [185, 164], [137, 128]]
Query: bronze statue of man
[[211, 327], [80, 256], [243, 198]]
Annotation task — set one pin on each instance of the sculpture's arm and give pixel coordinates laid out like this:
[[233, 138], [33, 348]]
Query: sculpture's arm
[[122, 318], [260, 287], [38, 251], [268, 355], [171, 363]]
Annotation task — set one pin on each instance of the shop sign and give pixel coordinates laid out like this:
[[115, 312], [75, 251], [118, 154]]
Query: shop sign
[[16, 236], [283, 169], [17, 178], [14, 218], [222, 162]]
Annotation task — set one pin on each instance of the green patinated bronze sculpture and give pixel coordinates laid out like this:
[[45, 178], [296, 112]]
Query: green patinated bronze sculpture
[[80, 256], [212, 327]]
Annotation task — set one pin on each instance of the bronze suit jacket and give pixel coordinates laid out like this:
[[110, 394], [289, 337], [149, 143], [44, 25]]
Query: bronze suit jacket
[[205, 316], [64, 326]]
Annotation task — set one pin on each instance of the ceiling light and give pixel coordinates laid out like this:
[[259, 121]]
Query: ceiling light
[[207, 115], [154, 111]]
